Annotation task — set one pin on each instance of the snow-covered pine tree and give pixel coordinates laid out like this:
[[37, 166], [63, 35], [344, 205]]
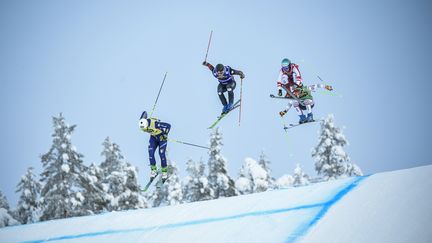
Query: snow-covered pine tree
[[6, 218], [219, 180], [331, 161], [170, 192], [62, 167], [121, 178], [173, 185], [3, 202], [196, 186], [284, 181], [28, 208], [300, 178], [264, 162], [96, 197], [252, 178]]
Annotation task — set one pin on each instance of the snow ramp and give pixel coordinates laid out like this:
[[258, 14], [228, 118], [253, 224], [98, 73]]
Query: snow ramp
[[385, 207]]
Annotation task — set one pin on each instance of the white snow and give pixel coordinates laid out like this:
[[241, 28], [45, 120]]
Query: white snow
[[386, 207], [285, 181], [65, 156], [65, 168]]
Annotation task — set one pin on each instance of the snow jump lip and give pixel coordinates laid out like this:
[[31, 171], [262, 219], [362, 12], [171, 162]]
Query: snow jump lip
[[299, 231]]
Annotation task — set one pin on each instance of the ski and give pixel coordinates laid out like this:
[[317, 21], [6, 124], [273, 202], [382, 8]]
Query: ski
[[236, 105], [146, 187], [298, 124]]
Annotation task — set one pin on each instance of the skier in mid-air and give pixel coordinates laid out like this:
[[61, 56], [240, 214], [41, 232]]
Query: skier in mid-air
[[303, 101], [293, 77], [158, 138], [227, 83]]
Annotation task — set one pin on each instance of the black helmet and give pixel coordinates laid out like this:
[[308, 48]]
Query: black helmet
[[220, 67]]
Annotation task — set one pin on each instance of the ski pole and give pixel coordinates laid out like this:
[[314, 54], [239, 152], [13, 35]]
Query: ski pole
[[208, 46], [160, 89], [191, 144], [241, 98]]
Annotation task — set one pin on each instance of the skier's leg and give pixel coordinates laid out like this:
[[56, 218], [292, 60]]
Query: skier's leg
[[221, 89], [308, 105], [230, 88], [162, 150], [302, 117], [151, 149]]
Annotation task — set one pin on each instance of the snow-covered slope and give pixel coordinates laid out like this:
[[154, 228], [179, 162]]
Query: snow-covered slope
[[385, 207]]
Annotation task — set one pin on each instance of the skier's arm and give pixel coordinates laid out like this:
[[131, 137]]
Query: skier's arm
[[279, 83], [165, 127], [237, 72], [314, 87], [297, 75], [208, 65], [290, 104]]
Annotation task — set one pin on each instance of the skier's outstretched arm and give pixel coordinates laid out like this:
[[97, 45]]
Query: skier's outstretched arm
[[208, 65], [237, 72], [314, 87], [290, 104]]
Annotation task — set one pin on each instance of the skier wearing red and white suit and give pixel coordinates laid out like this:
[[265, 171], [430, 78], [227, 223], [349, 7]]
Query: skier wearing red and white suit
[[289, 77]]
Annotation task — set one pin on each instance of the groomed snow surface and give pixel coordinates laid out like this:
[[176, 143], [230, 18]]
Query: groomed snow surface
[[386, 207]]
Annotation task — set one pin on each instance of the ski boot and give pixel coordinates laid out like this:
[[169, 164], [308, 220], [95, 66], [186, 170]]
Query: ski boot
[[309, 117], [153, 172], [164, 171], [303, 119], [229, 107], [224, 109]]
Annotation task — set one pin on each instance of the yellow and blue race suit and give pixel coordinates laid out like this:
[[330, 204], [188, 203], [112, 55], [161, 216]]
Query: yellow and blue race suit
[[158, 138]]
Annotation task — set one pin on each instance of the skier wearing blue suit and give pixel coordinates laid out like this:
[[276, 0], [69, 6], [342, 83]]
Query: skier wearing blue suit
[[158, 138], [224, 75]]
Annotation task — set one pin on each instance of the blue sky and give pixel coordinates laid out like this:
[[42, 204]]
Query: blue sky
[[100, 63]]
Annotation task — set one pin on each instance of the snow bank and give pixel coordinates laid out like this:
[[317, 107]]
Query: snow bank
[[387, 207]]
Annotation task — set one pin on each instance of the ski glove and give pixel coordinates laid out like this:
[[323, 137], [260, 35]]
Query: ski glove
[[282, 113], [205, 63], [164, 137], [242, 76], [328, 87], [280, 92]]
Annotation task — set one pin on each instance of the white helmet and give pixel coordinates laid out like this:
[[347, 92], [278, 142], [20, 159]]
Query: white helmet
[[143, 123]]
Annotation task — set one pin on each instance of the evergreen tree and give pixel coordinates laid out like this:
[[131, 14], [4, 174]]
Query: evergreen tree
[[61, 178], [96, 196], [196, 186], [170, 193], [121, 179], [219, 180], [284, 181], [252, 178], [173, 185], [264, 162], [300, 178], [28, 208], [5, 215], [331, 161], [3, 202]]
